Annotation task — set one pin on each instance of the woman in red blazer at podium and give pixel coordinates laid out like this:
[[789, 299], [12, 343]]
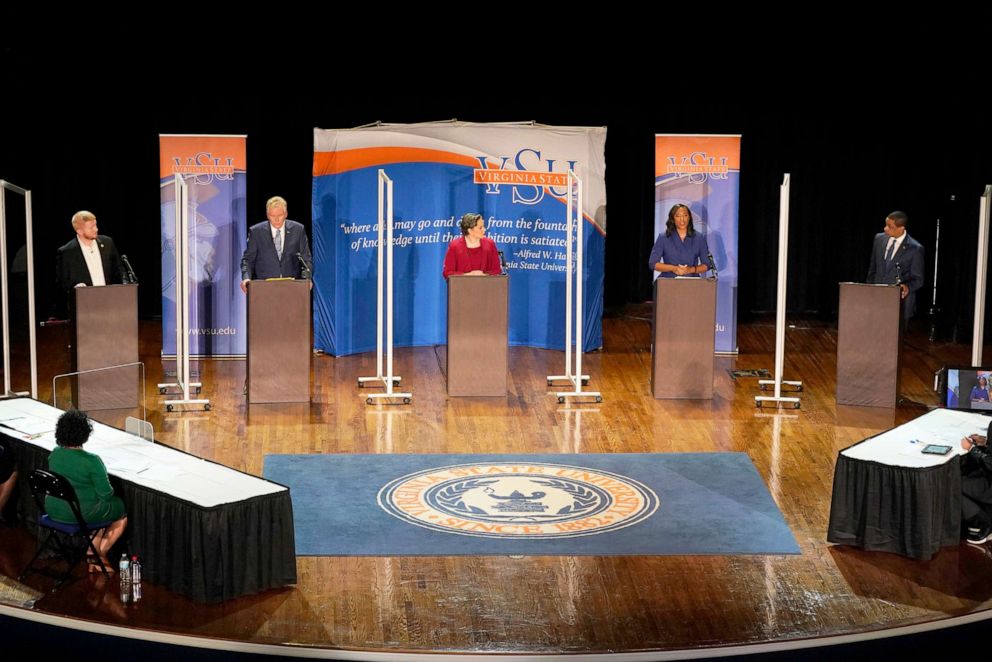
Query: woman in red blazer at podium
[[472, 253]]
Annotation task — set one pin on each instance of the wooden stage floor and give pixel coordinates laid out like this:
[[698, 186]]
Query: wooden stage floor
[[550, 605]]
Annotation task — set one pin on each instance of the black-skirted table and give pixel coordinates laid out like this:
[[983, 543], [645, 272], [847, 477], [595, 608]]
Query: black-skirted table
[[889, 496], [201, 529]]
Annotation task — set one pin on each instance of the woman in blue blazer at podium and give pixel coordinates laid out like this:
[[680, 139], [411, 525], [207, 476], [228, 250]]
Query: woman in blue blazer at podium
[[472, 254], [680, 250]]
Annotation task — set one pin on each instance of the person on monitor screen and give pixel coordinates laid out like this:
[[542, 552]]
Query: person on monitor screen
[[277, 248], [976, 489], [980, 393], [472, 254], [679, 250], [897, 259]]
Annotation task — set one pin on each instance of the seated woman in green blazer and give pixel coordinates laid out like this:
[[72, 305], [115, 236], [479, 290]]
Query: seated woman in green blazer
[[88, 476]]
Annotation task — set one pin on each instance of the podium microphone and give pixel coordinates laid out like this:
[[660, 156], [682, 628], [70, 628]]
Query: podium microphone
[[306, 267], [502, 261], [712, 265], [129, 277]]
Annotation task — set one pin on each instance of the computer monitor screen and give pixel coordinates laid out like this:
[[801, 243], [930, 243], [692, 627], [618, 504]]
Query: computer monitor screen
[[969, 389]]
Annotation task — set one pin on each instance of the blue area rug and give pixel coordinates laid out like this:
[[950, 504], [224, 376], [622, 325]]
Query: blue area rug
[[485, 505]]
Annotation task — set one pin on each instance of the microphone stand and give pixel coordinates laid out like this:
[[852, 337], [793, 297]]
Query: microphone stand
[[129, 276], [306, 271]]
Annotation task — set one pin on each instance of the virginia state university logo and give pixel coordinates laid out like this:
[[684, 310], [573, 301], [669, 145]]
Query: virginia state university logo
[[697, 166], [525, 176], [205, 166], [518, 500]]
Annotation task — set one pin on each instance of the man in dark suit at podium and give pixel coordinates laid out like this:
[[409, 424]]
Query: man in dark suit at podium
[[90, 258], [277, 248], [897, 259]]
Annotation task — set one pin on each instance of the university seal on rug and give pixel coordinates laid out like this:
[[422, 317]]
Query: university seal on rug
[[518, 500]]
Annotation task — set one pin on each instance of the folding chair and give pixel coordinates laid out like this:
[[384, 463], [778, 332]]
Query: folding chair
[[71, 541]]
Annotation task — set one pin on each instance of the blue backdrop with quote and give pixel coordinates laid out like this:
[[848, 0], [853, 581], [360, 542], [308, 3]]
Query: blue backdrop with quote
[[429, 200]]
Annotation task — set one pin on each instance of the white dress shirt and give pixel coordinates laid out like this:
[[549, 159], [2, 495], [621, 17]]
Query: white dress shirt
[[91, 254]]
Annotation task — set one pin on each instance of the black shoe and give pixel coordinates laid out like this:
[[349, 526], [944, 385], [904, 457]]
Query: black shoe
[[978, 536]]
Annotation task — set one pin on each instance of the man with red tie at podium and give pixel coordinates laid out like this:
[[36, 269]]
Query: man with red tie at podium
[[897, 259], [277, 248]]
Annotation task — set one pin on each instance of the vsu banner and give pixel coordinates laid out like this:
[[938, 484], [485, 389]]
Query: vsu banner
[[214, 170], [434, 168], [703, 173]]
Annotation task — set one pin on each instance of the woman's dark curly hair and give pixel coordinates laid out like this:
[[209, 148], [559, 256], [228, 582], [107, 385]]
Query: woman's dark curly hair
[[72, 429]]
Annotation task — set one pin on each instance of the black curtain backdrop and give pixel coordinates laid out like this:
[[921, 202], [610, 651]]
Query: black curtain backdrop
[[860, 136]]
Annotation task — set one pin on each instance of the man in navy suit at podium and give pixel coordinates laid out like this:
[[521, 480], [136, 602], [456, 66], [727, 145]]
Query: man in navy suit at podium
[[277, 248], [897, 259]]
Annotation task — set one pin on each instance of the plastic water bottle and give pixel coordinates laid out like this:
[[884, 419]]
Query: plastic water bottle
[[135, 570], [124, 572]]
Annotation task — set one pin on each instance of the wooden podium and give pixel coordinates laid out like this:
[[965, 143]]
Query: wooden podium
[[684, 338], [278, 341], [105, 334], [477, 335], [868, 330]]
